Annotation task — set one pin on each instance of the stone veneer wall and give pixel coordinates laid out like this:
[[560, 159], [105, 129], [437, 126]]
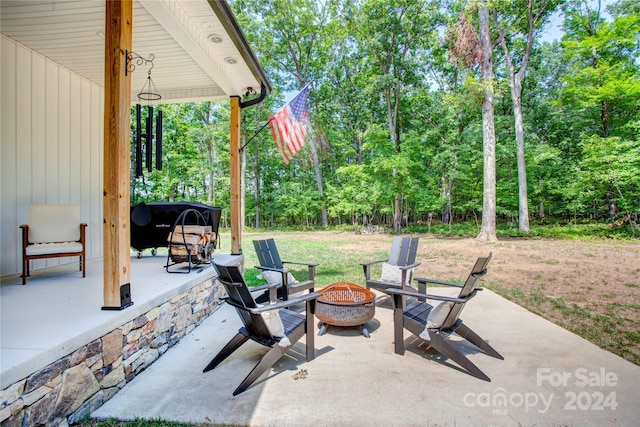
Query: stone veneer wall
[[69, 389]]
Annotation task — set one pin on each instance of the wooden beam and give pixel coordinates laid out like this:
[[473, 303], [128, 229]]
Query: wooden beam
[[117, 103], [234, 147]]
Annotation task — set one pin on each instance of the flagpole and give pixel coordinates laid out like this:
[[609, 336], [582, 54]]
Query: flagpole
[[254, 135]]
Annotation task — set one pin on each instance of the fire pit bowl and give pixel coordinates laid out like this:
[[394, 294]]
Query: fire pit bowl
[[345, 304]]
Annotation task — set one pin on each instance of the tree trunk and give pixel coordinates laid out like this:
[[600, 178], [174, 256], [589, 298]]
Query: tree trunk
[[515, 82], [392, 118], [488, 230], [172, 193], [211, 177], [604, 119], [358, 147], [397, 214], [523, 201], [319, 182], [206, 119], [447, 188]]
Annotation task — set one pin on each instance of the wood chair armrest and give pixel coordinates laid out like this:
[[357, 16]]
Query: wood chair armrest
[[423, 280], [372, 262], [270, 288], [420, 295], [283, 272], [366, 267], [282, 304], [277, 270], [263, 287], [25, 235], [300, 263], [83, 228], [311, 267], [409, 267]]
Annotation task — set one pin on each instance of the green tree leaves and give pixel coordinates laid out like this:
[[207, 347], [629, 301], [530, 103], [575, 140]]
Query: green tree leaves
[[403, 122]]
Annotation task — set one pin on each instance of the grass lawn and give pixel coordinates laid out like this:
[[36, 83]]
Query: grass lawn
[[590, 287]]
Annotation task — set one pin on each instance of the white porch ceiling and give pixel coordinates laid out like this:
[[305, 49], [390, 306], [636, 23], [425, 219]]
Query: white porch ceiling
[[196, 58]]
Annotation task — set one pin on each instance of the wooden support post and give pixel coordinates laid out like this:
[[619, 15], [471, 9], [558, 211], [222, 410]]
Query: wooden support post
[[234, 148], [117, 103]]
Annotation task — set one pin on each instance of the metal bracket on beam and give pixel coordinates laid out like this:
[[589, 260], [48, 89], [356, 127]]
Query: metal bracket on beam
[[125, 298], [133, 59]]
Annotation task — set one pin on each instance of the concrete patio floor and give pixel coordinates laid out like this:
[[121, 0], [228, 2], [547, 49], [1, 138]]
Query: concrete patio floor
[[549, 377]]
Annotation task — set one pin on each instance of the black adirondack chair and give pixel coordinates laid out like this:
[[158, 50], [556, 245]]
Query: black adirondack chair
[[270, 261], [415, 317], [255, 328], [403, 256]]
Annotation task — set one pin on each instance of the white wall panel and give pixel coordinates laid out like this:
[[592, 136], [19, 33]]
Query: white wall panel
[[85, 161], [97, 164], [39, 134], [65, 167], [23, 139], [8, 153], [75, 141], [38, 159], [24, 129], [52, 185], [51, 147], [64, 137]]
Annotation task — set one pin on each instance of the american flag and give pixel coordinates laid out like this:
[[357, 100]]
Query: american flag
[[290, 125]]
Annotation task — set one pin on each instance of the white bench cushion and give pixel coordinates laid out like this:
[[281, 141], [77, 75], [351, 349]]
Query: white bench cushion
[[54, 223], [53, 248]]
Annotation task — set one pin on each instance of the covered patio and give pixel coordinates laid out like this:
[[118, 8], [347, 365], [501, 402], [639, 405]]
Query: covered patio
[[69, 78], [71, 70]]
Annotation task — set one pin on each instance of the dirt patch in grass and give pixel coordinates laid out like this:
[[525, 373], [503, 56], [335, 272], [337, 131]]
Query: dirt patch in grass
[[589, 287]]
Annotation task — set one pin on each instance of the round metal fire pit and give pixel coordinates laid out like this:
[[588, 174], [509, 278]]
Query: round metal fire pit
[[345, 304]]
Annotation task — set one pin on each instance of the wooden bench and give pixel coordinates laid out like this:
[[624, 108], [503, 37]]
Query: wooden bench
[[54, 231]]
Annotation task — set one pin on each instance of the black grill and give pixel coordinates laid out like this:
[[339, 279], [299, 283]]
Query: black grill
[[151, 223]]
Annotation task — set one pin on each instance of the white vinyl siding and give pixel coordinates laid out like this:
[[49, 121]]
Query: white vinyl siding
[[51, 148]]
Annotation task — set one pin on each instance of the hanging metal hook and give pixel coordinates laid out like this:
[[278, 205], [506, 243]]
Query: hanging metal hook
[[134, 59], [149, 91]]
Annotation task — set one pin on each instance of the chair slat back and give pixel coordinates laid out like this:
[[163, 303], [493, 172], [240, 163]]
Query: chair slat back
[[239, 294], [267, 252], [54, 223], [479, 269], [403, 251]]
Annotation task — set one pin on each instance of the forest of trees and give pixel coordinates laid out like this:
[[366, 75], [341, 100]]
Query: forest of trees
[[427, 111]]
